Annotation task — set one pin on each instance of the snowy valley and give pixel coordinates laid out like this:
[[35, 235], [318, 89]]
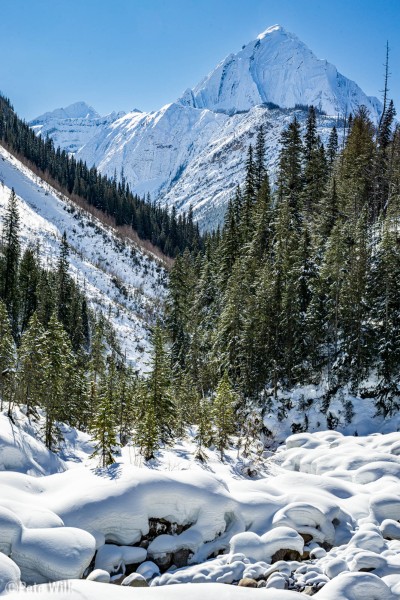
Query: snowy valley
[[237, 434]]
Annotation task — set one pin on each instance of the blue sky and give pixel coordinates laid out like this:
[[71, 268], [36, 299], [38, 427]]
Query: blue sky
[[124, 54]]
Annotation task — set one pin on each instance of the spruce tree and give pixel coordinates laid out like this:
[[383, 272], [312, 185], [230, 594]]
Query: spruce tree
[[223, 414], [156, 412], [54, 372], [10, 261], [385, 313], [355, 174], [27, 284], [7, 358], [30, 357], [103, 424], [290, 174], [260, 171], [332, 148], [64, 286]]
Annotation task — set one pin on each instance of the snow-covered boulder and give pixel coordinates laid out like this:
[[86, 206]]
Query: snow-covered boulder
[[262, 548], [99, 575], [390, 529], [52, 554], [356, 586], [135, 580], [10, 575], [113, 558], [306, 519], [148, 569]]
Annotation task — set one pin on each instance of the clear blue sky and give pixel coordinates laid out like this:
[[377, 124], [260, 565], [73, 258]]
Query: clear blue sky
[[124, 54]]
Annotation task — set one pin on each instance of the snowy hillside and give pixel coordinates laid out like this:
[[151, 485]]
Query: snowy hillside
[[320, 518], [118, 279], [192, 151]]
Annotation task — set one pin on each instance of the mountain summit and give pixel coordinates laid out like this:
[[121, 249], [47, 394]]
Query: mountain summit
[[191, 152], [280, 69], [77, 110]]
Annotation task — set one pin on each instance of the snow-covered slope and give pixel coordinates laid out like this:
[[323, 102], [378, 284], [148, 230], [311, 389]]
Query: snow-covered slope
[[117, 277], [191, 152]]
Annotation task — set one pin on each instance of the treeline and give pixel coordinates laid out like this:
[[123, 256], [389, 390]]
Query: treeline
[[165, 230], [302, 284]]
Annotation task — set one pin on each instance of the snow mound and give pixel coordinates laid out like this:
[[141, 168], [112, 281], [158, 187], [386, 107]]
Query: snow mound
[[113, 558], [262, 548], [358, 586], [10, 575], [52, 554], [21, 451]]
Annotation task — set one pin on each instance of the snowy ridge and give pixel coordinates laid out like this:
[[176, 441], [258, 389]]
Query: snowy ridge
[[329, 513], [191, 152], [279, 68], [72, 127], [117, 277]]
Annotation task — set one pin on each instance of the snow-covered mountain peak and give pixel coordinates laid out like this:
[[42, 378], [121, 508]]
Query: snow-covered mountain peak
[[190, 152], [72, 127], [77, 110], [278, 68], [269, 30]]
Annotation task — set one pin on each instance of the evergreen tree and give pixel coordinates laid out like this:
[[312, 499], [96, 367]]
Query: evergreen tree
[[223, 414], [54, 372], [102, 426], [97, 363], [10, 261], [63, 285], [181, 287], [27, 285], [332, 148], [156, 414], [385, 313], [290, 175], [7, 358], [260, 172], [355, 175], [30, 359], [147, 427]]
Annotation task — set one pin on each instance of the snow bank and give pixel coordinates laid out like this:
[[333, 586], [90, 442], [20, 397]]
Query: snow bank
[[358, 586], [89, 590]]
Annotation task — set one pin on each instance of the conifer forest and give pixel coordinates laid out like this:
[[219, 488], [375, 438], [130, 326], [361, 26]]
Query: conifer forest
[[299, 286]]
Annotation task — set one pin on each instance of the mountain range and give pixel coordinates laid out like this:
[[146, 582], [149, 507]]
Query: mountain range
[[191, 151]]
